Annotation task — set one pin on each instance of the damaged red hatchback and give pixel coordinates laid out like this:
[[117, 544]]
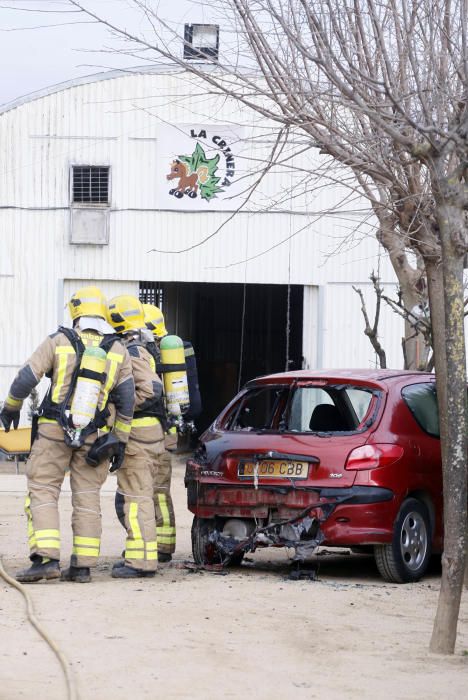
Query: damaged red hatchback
[[346, 458]]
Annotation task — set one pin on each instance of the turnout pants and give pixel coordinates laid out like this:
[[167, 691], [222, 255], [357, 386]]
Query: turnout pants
[[163, 506], [134, 502], [48, 461]]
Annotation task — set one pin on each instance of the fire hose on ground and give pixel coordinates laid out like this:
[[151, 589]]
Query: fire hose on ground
[[72, 692]]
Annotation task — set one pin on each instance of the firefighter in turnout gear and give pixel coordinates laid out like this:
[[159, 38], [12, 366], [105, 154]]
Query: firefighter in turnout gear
[[63, 438], [162, 467], [134, 496]]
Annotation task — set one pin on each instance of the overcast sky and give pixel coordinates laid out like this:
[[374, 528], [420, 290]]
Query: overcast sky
[[39, 49]]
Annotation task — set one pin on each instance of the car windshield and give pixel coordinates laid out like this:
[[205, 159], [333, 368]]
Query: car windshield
[[304, 409]]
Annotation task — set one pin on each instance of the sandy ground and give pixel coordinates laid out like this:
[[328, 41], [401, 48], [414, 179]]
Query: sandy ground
[[250, 633]]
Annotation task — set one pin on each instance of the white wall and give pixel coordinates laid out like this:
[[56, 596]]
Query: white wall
[[118, 122]]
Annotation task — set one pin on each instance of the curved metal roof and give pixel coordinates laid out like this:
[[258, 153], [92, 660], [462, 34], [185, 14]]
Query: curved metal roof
[[93, 78]]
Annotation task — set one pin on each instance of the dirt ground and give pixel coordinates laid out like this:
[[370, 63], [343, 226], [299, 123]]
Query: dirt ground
[[251, 633]]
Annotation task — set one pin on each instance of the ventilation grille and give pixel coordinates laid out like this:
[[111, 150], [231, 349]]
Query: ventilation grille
[[151, 293], [90, 184]]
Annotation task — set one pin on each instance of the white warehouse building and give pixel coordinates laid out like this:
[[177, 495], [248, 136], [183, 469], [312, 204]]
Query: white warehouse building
[[96, 188]]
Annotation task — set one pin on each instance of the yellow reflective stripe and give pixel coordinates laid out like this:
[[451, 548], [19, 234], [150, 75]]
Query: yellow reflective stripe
[[47, 538], [143, 422], [152, 364], [134, 544], [48, 533], [86, 546], [162, 500], [166, 529], [62, 353], [124, 427], [46, 420], [115, 359], [90, 541], [133, 518], [151, 546], [13, 402], [86, 551], [134, 555], [31, 532], [151, 556], [165, 539]]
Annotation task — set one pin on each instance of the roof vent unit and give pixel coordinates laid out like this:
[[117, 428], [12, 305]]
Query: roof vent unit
[[201, 42]]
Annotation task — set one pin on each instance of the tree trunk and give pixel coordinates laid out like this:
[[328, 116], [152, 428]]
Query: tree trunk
[[435, 288], [411, 288], [454, 468], [466, 560]]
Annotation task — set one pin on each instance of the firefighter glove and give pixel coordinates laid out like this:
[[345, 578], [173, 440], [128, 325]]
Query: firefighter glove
[[9, 417], [117, 459]]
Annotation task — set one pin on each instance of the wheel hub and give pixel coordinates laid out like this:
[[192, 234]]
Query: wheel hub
[[413, 541]]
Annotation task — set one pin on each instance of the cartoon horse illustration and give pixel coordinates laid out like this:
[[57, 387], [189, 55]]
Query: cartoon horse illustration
[[188, 184]]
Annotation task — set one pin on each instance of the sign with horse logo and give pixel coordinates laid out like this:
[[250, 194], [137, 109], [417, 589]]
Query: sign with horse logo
[[199, 167]]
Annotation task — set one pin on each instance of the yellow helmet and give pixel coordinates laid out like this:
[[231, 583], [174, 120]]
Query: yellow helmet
[[125, 313], [154, 320], [88, 301]]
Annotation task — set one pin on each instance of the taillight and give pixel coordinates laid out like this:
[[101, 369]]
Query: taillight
[[373, 456]]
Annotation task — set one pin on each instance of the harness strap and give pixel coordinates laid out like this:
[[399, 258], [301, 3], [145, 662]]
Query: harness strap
[[56, 412]]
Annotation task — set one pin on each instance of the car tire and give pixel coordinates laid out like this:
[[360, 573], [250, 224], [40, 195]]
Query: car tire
[[407, 558], [205, 552]]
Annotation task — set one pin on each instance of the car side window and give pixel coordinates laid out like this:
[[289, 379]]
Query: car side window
[[360, 400], [421, 400]]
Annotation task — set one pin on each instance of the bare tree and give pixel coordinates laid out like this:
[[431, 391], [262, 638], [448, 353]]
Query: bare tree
[[372, 330], [382, 88], [282, 83]]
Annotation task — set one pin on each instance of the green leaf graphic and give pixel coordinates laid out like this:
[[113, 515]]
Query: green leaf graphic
[[197, 160]]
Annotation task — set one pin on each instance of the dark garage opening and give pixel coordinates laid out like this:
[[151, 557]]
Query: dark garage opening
[[238, 331]]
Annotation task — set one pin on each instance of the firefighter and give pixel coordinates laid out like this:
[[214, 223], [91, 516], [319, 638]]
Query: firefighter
[[162, 467], [134, 496], [61, 443]]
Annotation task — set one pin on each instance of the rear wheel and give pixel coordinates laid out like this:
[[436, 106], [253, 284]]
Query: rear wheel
[[206, 552], [406, 559]]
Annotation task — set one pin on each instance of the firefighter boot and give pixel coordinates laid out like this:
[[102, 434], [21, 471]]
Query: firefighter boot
[[79, 574], [41, 567], [120, 562], [129, 572], [164, 557]]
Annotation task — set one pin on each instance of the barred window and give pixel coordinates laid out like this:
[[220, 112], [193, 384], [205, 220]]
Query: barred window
[[90, 184], [151, 293]]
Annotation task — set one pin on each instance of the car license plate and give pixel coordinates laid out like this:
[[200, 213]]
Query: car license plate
[[273, 469]]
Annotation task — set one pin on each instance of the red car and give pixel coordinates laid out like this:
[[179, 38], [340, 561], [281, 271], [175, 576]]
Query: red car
[[347, 458]]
